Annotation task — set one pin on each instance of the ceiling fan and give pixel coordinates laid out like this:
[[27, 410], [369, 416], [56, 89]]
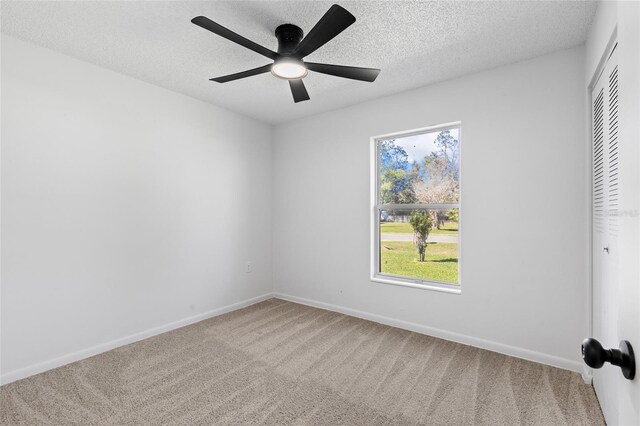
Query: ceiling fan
[[288, 61]]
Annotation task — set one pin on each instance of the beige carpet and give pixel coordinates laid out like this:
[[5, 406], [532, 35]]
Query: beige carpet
[[280, 363]]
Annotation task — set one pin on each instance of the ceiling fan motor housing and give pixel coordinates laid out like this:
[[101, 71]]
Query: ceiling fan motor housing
[[288, 36]]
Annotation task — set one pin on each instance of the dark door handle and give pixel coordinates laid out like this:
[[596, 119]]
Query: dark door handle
[[594, 355]]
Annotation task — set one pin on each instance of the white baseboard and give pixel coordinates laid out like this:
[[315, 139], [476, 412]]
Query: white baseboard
[[406, 325], [514, 351], [103, 347]]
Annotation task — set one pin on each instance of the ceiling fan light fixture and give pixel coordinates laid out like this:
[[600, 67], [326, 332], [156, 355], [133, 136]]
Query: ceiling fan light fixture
[[289, 69]]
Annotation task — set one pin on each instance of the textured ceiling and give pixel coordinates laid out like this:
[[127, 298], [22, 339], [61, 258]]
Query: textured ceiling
[[415, 43]]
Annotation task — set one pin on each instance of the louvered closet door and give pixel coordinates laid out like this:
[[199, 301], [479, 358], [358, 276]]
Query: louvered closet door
[[605, 152], [604, 111]]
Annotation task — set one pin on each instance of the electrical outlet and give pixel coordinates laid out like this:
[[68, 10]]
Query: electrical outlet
[[248, 267]]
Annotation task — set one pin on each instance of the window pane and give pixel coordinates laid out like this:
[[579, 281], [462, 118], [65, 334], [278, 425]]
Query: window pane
[[420, 169], [420, 244]]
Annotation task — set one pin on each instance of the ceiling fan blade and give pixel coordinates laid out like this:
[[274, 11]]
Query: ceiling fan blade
[[243, 74], [336, 20], [298, 90], [218, 29], [355, 73]]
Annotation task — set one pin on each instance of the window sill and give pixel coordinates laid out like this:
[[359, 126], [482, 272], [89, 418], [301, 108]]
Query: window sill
[[423, 285]]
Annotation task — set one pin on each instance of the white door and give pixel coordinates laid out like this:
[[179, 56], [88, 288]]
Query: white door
[[616, 232], [605, 223]]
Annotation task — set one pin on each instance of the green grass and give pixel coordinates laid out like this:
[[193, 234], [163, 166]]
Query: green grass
[[449, 228], [401, 258]]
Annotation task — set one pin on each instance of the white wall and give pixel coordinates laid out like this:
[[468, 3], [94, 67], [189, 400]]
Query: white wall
[[525, 266], [125, 207]]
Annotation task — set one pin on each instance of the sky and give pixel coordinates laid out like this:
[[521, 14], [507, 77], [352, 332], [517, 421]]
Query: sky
[[419, 146]]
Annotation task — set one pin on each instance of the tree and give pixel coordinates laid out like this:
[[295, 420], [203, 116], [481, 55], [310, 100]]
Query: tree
[[440, 172], [438, 187], [392, 156], [396, 175], [453, 215], [450, 152], [421, 223]]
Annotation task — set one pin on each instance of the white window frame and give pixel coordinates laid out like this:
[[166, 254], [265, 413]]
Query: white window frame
[[376, 208]]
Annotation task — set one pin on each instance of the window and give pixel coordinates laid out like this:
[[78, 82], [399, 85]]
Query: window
[[416, 208]]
